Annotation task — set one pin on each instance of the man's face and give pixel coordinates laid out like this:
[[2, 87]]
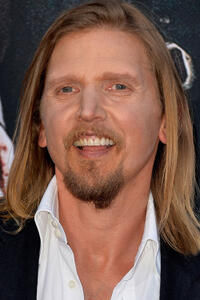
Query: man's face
[[99, 84]]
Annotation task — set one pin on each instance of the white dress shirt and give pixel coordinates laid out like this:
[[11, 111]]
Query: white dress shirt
[[57, 274]]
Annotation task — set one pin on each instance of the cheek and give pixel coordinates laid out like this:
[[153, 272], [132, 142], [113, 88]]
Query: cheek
[[54, 120], [53, 128], [58, 123], [142, 130]]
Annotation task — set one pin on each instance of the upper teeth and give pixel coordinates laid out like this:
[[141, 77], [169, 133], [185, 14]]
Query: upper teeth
[[93, 142]]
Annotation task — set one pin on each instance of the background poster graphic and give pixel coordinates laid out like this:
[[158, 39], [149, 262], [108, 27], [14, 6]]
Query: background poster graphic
[[23, 23], [6, 153]]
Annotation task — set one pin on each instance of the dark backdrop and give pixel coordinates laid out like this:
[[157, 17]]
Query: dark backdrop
[[23, 22]]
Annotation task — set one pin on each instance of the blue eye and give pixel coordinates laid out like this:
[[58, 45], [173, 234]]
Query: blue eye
[[67, 89], [120, 86]]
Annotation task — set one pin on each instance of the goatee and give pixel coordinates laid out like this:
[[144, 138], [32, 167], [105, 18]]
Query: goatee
[[101, 191]]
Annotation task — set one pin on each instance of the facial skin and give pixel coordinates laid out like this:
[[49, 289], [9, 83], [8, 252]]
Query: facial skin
[[99, 83]]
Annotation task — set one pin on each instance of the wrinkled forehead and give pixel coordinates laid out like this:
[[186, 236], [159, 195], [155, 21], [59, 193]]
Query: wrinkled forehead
[[98, 50]]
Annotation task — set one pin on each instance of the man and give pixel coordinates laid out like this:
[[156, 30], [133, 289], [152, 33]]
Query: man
[[103, 177]]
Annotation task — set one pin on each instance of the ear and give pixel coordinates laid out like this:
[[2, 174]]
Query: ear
[[162, 132], [42, 137]]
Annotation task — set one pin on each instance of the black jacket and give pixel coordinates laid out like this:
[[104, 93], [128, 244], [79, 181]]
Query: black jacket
[[19, 255]]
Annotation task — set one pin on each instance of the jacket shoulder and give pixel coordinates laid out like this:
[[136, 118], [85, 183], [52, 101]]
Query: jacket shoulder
[[180, 275], [19, 255]]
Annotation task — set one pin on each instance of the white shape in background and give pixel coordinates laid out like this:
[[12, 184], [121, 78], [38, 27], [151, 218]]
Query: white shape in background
[[187, 60], [1, 115], [6, 154], [165, 20]]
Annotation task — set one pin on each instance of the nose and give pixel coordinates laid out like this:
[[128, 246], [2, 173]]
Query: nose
[[91, 105]]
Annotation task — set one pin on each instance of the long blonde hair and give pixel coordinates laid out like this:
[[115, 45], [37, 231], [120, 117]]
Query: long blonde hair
[[173, 173]]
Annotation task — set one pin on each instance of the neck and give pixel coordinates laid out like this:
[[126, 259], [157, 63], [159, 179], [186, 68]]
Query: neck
[[104, 234]]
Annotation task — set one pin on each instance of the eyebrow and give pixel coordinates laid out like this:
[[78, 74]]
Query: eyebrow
[[69, 78], [106, 76], [118, 76]]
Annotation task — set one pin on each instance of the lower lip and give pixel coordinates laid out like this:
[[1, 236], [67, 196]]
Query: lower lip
[[94, 152]]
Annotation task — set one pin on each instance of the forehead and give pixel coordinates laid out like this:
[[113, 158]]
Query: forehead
[[91, 52]]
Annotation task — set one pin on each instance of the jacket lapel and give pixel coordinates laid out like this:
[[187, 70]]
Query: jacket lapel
[[180, 275], [19, 255]]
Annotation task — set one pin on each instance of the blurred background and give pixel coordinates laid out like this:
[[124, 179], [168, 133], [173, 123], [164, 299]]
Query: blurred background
[[23, 23]]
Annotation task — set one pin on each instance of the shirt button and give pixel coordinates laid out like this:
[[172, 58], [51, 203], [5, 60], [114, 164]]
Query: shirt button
[[54, 224], [58, 233], [72, 284]]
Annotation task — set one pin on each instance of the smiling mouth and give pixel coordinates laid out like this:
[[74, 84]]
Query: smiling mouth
[[94, 147]]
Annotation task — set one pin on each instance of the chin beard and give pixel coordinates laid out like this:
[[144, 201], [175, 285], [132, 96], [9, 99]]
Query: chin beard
[[93, 187]]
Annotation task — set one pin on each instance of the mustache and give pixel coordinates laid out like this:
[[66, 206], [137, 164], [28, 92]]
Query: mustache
[[97, 130]]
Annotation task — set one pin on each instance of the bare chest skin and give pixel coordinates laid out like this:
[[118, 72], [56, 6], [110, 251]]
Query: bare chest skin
[[99, 281], [99, 291], [99, 287]]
